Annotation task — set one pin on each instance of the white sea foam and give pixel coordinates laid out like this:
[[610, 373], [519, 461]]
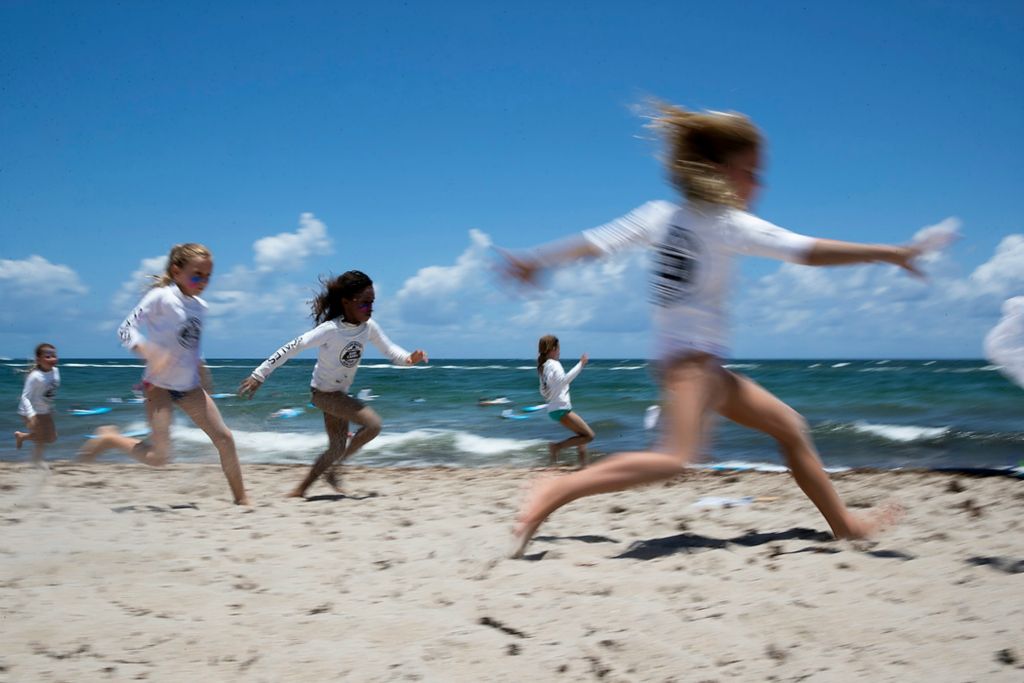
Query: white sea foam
[[840, 365], [742, 366], [485, 445], [888, 368], [901, 433], [300, 446], [103, 365], [628, 367]]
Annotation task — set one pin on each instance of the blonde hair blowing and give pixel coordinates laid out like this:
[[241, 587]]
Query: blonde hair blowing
[[697, 144], [180, 255]]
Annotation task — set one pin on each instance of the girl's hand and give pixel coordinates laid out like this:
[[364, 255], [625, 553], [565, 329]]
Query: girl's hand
[[524, 270], [904, 258], [249, 386], [206, 378], [157, 359], [418, 356], [583, 360]]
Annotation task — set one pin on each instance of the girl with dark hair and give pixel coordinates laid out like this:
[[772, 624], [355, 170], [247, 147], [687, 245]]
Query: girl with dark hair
[[714, 160], [36, 405], [554, 387], [342, 312]]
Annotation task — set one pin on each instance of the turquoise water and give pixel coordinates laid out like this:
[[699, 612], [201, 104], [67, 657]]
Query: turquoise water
[[881, 413]]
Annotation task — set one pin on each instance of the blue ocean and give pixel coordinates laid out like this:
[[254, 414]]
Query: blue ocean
[[873, 413]]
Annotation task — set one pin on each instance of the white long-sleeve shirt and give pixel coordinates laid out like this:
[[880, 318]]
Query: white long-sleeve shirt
[[554, 384], [693, 249], [39, 391], [174, 322], [340, 346], [1004, 344]]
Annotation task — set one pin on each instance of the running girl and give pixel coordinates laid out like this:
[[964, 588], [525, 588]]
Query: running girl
[[36, 405], [342, 312], [172, 314], [554, 387], [714, 160]]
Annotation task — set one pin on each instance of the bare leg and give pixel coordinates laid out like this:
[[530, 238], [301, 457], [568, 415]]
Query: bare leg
[[344, 409], [583, 435], [154, 450], [337, 441], [751, 405], [20, 438], [198, 405], [692, 386]]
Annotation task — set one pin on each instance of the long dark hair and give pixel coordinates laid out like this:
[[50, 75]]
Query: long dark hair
[[545, 346], [327, 304]]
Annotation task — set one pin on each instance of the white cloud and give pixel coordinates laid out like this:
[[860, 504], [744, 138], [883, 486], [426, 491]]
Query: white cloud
[[138, 282], [446, 295], [288, 250], [34, 276], [1003, 274]]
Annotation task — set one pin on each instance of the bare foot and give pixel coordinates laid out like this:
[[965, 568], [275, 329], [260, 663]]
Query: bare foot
[[333, 479], [102, 441], [297, 492], [244, 500], [19, 438], [531, 515], [874, 522]]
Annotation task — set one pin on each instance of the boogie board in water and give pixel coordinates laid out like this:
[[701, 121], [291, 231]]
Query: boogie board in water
[[132, 433], [509, 415], [89, 411], [533, 409], [221, 395]]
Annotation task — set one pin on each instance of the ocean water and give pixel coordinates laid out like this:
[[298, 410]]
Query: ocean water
[[877, 413]]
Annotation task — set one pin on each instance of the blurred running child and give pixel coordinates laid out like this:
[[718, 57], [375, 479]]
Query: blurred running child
[[554, 387], [342, 311], [714, 160], [172, 313], [36, 405]]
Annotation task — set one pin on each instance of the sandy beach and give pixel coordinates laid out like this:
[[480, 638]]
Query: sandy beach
[[120, 572]]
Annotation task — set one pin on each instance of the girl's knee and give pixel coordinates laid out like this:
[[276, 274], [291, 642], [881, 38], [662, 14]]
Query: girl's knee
[[793, 429], [223, 441]]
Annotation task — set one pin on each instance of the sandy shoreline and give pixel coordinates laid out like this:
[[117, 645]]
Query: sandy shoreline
[[120, 572]]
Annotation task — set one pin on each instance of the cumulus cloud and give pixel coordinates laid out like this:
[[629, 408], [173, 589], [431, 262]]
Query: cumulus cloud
[[1003, 274], [35, 274], [442, 295], [139, 281], [288, 250]]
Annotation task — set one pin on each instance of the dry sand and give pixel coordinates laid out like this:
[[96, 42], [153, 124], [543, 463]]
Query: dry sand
[[120, 572]]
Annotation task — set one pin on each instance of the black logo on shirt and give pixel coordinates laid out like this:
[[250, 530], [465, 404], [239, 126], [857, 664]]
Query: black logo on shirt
[[188, 335], [674, 270], [351, 354]]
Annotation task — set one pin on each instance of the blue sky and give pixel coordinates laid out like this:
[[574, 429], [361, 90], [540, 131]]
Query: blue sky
[[404, 139]]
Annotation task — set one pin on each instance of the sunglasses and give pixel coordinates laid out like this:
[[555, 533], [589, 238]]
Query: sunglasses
[[196, 279]]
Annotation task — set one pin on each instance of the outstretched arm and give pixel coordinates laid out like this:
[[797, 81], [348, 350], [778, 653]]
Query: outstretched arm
[[526, 266], [835, 253]]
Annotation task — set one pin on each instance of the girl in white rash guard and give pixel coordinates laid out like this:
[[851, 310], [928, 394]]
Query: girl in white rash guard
[[554, 387], [714, 160], [36, 404], [172, 313], [1004, 344], [342, 309]]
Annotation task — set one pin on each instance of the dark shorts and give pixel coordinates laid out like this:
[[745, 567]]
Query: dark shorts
[[336, 403], [557, 415]]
